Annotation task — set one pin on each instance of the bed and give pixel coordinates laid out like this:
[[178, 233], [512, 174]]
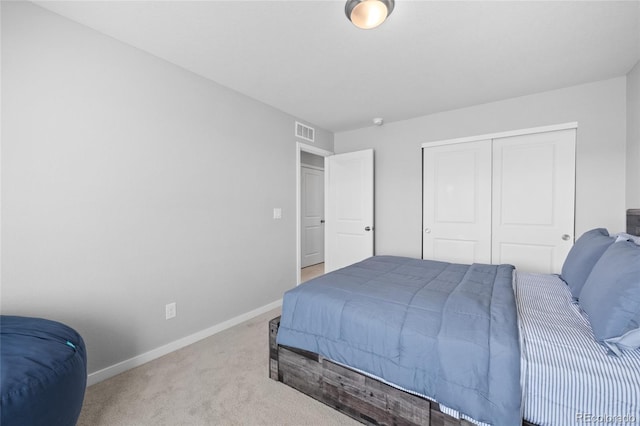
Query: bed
[[394, 340]]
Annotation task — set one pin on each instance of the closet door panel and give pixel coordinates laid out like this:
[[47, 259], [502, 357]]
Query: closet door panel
[[533, 200], [457, 202]]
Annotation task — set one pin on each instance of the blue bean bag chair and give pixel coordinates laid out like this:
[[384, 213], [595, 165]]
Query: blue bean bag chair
[[43, 372]]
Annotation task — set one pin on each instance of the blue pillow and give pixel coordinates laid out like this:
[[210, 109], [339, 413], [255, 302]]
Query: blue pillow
[[583, 256], [611, 297]]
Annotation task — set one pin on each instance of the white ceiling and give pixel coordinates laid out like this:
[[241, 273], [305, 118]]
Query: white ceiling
[[305, 58]]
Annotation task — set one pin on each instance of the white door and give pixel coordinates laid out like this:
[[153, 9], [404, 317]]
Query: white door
[[349, 208], [457, 202], [312, 216], [533, 200]]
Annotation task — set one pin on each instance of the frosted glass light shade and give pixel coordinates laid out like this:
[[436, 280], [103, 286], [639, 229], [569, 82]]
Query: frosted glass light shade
[[367, 14]]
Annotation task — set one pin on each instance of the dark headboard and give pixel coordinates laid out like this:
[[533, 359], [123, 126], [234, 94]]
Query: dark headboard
[[633, 222]]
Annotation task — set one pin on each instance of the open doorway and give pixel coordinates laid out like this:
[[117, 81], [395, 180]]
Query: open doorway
[[311, 210], [310, 183]]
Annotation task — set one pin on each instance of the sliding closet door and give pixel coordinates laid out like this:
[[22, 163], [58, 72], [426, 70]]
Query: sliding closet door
[[457, 202], [533, 200]]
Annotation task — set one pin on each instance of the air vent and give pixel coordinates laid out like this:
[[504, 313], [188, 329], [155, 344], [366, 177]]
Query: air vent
[[305, 132]]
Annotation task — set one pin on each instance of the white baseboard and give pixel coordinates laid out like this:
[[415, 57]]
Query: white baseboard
[[136, 361]]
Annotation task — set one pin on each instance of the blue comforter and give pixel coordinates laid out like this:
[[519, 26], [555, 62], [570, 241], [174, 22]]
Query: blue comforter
[[447, 331]]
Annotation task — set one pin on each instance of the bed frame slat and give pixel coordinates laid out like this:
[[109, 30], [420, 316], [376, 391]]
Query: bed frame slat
[[359, 396]]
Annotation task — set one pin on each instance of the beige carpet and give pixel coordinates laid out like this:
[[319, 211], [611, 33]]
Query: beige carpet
[[221, 380]]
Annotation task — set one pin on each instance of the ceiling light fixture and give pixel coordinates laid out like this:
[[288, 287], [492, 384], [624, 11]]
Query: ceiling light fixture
[[367, 14]]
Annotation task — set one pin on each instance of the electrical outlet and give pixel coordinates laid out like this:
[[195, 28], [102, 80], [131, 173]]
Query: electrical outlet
[[170, 310]]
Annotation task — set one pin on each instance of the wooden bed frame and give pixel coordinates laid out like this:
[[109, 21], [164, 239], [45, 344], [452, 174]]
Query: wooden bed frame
[[361, 397]]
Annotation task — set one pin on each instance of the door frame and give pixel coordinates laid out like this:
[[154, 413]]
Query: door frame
[[509, 133], [303, 147]]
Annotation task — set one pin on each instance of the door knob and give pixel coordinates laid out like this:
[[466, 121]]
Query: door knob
[[427, 230], [321, 220], [367, 228], [566, 237]]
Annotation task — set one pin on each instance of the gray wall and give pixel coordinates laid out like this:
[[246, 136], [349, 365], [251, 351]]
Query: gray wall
[[633, 138], [599, 108], [311, 159], [128, 183]]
